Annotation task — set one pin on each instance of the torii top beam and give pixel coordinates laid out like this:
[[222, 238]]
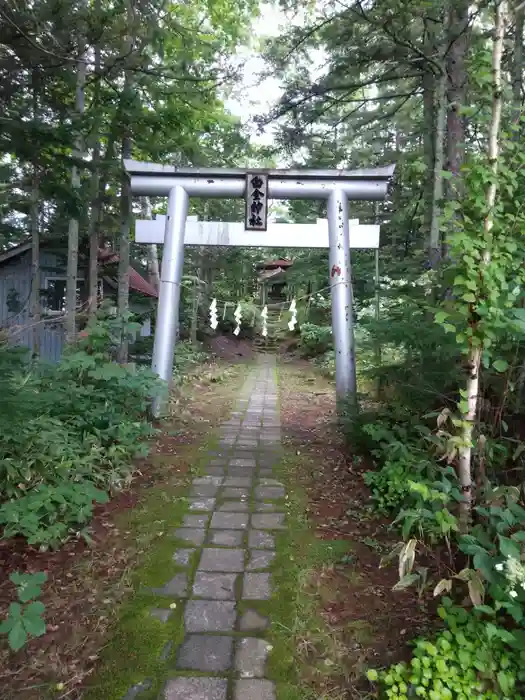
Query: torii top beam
[[153, 180]]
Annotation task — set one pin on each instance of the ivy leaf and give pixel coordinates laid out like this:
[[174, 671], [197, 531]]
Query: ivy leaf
[[405, 582], [504, 682], [500, 365], [444, 585], [476, 590], [28, 590], [508, 548], [485, 610], [17, 636], [6, 625], [33, 622], [15, 611], [35, 608]]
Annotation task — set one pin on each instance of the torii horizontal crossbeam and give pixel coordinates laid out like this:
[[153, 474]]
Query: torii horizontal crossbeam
[[153, 180], [221, 233]]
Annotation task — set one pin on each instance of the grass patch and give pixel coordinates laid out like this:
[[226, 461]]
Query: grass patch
[[306, 653], [138, 640]]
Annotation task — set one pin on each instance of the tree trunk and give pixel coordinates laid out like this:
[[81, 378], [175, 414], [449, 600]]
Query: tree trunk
[[152, 250], [195, 312], [437, 172], [457, 40], [94, 224], [72, 245], [196, 301], [125, 193], [96, 197], [429, 122], [474, 357], [517, 63], [34, 301], [124, 254], [34, 304]]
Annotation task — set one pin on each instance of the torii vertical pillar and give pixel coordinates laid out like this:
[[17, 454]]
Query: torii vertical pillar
[[341, 290], [169, 293]]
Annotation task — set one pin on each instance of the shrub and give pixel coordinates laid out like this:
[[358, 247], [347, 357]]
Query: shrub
[[69, 434], [326, 364], [470, 659], [186, 356], [48, 513], [24, 617], [315, 340], [389, 485]]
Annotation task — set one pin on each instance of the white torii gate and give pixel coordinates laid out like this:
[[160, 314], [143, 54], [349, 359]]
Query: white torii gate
[[219, 233], [257, 187]]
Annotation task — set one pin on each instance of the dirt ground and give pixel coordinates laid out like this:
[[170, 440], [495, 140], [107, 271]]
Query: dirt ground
[[373, 623], [230, 349]]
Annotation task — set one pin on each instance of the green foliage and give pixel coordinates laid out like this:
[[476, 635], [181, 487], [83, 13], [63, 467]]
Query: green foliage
[[69, 434], [428, 513], [419, 360], [390, 432], [49, 513], [469, 659], [186, 356], [410, 484], [389, 486], [315, 340], [24, 619], [326, 364], [486, 309], [495, 547]]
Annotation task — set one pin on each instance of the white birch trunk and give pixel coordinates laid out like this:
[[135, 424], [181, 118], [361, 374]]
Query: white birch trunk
[[474, 356]]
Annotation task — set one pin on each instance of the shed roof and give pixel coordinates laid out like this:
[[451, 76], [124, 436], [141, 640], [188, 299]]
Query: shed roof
[[105, 256]]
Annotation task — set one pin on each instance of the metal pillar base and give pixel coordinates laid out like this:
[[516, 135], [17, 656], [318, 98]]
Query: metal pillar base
[[341, 289], [169, 293]]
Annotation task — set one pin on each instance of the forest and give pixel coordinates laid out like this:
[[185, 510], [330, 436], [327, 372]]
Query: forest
[[437, 443]]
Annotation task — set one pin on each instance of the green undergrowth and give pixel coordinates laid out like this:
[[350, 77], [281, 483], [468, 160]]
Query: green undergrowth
[[305, 652], [138, 640]]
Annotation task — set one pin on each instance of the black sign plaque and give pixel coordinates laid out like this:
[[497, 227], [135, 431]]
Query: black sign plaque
[[256, 218]]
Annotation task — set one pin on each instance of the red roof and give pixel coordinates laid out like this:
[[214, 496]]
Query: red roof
[[272, 264], [278, 263], [136, 281], [139, 284]]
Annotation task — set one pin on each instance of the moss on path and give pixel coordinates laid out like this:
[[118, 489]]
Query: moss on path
[[141, 654]]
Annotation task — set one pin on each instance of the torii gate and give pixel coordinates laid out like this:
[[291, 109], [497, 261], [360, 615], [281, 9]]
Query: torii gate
[[257, 187]]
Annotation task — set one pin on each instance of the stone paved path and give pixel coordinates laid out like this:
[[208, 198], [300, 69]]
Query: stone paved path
[[234, 512]]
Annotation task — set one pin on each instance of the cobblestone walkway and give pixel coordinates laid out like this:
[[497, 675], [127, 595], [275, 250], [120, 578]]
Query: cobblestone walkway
[[235, 509]]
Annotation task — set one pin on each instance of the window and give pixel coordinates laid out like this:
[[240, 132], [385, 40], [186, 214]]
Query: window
[[55, 294]]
